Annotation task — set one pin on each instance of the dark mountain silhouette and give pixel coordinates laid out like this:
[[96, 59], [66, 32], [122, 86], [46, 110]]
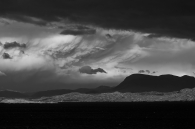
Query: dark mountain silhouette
[[135, 83], [147, 83], [12, 94]]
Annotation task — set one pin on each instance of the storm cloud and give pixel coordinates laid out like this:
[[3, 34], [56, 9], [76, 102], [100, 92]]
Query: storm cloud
[[25, 19], [60, 58], [78, 30], [177, 20], [120, 54], [118, 39], [9, 45], [6, 56], [89, 70]]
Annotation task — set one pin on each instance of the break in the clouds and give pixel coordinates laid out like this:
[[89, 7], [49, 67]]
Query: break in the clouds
[[89, 70], [39, 57]]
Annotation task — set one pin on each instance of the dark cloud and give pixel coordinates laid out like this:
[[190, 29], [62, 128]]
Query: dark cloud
[[89, 70], [146, 71], [8, 45], [6, 56], [108, 36], [27, 19], [78, 30], [168, 17], [154, 36], [154, 16], [141, 71]]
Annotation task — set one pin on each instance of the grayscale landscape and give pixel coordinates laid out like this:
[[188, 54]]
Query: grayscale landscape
[[89, 63], [134, 88], [183, 95]]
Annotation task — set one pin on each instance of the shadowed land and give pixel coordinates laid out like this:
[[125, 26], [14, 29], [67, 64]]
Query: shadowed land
[[136, 87]]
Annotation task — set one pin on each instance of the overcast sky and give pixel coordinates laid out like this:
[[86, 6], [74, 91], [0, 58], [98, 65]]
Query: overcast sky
[[75, 44]]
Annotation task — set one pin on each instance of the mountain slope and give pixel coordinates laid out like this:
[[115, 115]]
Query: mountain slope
[[134, 83], [12, 94], [162, 83]]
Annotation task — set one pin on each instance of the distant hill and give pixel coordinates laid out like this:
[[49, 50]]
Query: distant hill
[[49, 93], [100, 89], [12, 94], [135, 83], [148, 83]]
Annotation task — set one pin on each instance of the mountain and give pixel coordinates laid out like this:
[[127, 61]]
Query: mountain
[[148, 83], [135, 83], [12, 94], [100, 89]]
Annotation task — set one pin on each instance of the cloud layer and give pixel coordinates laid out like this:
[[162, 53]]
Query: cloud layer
[[177, 20]]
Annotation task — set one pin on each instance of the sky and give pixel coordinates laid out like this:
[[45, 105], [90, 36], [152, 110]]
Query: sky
[[84, 44]]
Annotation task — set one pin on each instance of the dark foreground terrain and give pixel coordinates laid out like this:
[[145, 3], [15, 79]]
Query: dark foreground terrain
[[161, 115]]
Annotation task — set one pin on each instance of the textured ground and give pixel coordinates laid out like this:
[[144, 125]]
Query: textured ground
[[183, 95]]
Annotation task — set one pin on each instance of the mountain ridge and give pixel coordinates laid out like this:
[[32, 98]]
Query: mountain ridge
[[162, 83], [12, 94], [135, 83]]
